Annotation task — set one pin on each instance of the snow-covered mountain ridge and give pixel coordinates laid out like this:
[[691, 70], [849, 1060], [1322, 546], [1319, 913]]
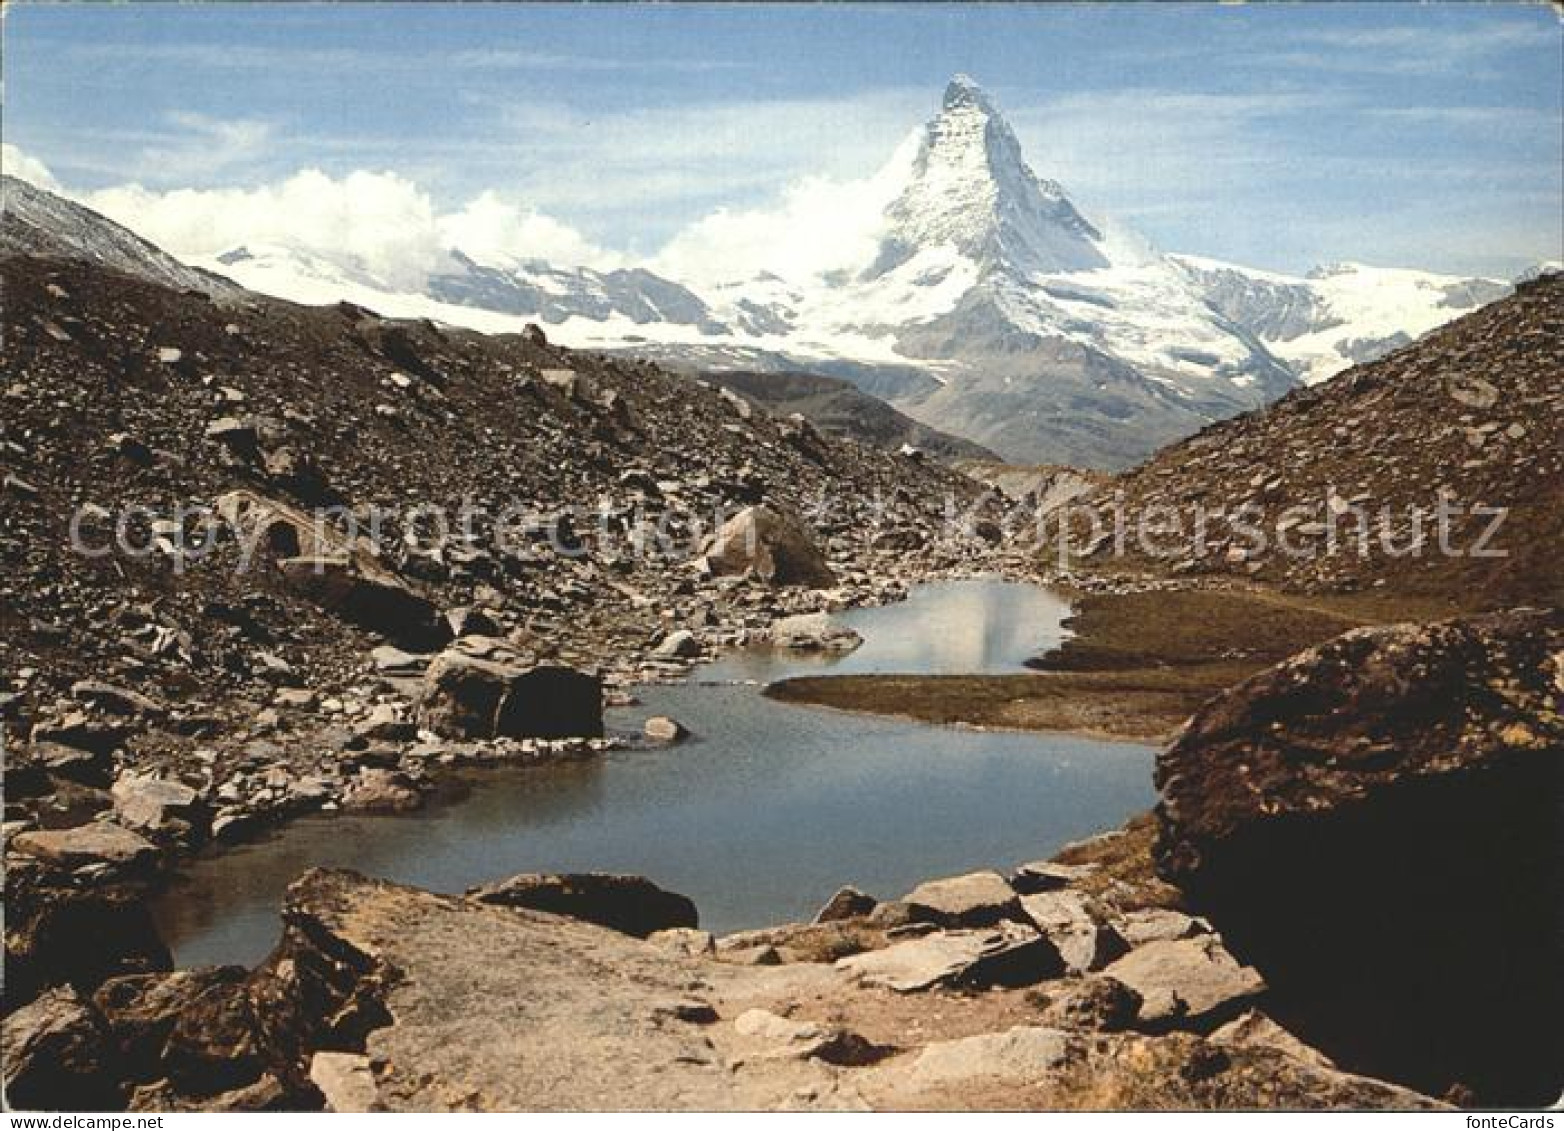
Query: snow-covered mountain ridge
[[973, 294], [1337, 315]]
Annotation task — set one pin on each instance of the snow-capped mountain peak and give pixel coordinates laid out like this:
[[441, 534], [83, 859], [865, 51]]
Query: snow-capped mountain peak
[[971, 189]]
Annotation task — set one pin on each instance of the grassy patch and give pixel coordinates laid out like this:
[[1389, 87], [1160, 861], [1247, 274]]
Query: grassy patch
[[1138, 665]]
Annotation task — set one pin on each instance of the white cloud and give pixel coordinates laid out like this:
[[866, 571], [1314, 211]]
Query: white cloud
[[819, 225], [379, 223], [497, 232], [376, 224], [28, 168], [645, 169], [1424, 48]]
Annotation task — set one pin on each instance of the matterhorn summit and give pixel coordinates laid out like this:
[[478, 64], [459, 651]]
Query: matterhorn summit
[[1043, 332], [972, 189]]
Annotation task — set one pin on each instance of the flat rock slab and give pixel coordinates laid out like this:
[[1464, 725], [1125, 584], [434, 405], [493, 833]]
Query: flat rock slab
[[100, 842], [979, 899], [919, 964], [1012, 957], [1023, 1053], [1187, 981]]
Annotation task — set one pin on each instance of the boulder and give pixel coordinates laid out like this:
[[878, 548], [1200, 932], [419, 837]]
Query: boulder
[[152, 804], [773, 547], [1156, 924], [72, 763], [98, 843], [367, 595], [847, 903], [632, 905], [394, 662], [681, 644], [1015, 956], [378, 790], [81, 732], [1085, 942], [978, 899], [1189, 983], [339, 572], [465, 696], [117, 700], [59, 932], [1098, 1002], [56, 1056], [1373, 825], [814, 632], [140, 1011], [220, 1041], [237, 433]]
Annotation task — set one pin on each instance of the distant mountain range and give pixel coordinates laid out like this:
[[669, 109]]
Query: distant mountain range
[[989, 306], [1340, 315]]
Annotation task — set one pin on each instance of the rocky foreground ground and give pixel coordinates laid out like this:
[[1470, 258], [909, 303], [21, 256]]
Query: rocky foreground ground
[[1176, 963]]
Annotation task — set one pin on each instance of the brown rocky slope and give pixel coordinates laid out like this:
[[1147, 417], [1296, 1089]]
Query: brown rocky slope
[[1474, 410], [178, 692]]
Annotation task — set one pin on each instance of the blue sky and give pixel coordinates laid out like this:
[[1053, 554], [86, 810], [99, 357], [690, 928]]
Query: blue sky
[[1279, 136]]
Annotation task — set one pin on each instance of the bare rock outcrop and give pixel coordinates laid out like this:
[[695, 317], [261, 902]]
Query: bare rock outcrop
[[632, 905], [56, 1055], [1377, 825], [383, 997]]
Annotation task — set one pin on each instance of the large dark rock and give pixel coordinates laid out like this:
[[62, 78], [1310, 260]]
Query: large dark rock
[[58, 933], [632, 905], [770, 545], [1377, 825], [141, 1010], [467, 695], [56, 1057], [341, 574]]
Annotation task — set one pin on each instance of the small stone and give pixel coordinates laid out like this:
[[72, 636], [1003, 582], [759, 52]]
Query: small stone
[[661, 728]]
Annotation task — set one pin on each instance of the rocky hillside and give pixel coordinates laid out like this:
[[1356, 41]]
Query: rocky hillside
[[276, 665], [839, 408], [36, 222], [1472, 411]]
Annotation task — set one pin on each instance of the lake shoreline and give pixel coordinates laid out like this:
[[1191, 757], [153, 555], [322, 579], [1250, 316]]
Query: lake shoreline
[[1136, 665]]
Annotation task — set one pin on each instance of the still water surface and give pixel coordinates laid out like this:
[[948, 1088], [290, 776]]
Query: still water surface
[[759, 818]]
